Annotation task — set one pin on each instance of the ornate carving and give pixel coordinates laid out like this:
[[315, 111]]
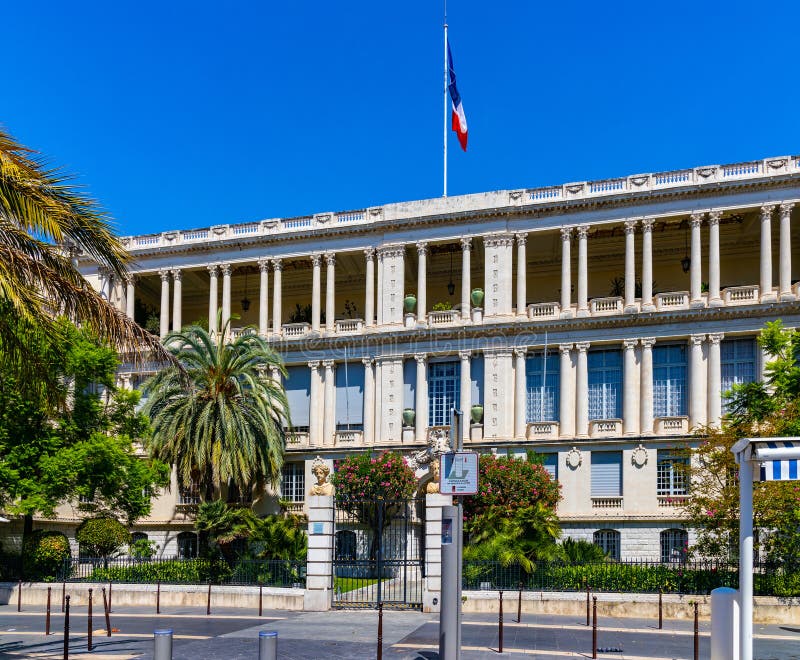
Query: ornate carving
[[421, 358], [226, 270], [714, 217], [313, 365], [716, 337], [466, 243], [776, 163], [316, 260], [277, 265], [639, 180], [647, 224], [574, 188], [367, 362], [574, 458], [438, 444], [564, 348], [263, 264], [566, 233], [177, 274], [786, 209], [582, 231], [648, 342], [389, 251], [320, 470], [639, 456], [465, 356], [697, 340], [498, 240], [369, 253], [330, 258], [630, 344], [213, 269], [164, 274], [766, 212], [630, 226], [219, 230], [696, 219], [521, 352], [515, 194], [328, 364], [432, 486], [582, 346], [422, 248], [706, 172]]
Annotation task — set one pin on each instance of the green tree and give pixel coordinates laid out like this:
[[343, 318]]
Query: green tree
[[221, 420], [224, 525], [280, 537], [44, 553], [102, 537]]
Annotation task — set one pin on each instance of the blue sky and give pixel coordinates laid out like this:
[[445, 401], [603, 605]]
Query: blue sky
[[186, 114]]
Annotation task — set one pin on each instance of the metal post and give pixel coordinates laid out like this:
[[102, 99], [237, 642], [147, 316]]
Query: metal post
[[19, 596], [587, 604], [109, 595], [451, 572], [158, 597], [500, 625], [594, 626], [519, 604], [660, 617], [66, 628], [380, 631], [89, 622], [260, 599], [267, 645], [696, 635], [745, 556], [63, 594], [47, 618], [208, 601], [107, 610], [162, 644]]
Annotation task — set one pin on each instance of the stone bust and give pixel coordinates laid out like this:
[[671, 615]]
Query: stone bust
[[320, 470], [433, 485]]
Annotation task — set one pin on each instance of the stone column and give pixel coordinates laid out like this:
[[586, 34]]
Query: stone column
[[319, 561], [498, 249], [466, 305], [714, 394], [314, 439], [164, 326], [629, 394], [522, 274], [785, 275], [566, 273], [329, 411], [330, 292], [520, 394], [102, 274], [696, 267], [380, 289], [392, 276], [432, 585], [226, 298], [421, 397], [369, 401], [369, 302], [582, 398], [121, 293], [213, 292], [277, 301], [646, 387], [177, 301], [697, 383], [316, 291], [465, 393], [583, 270], [389, 394], [630, 266], [714, 299], [422, 281], [498, 393], [766, 253], [647, 265], [130, 292], [263, 297], [567, 394]]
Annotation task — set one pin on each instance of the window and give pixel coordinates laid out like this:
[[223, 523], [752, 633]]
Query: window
[[550, 464], [738, 357], [293, 482], [608, 540], [669, 381], [443, 391], [187, 545], [542, 378], [138, 536], [189, 494], [606, 474], [349, 396], [345, 544], [236, 496], [674, 545], [605, 384], [671, 477]]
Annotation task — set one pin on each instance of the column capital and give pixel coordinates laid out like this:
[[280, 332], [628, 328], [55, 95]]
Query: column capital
[[647, 225], [582, 231], [277, 265], [130, 279], [177, 274], [697, 340], [582, 346], [164, 274], [566, 233], [213, 269], [330, 258], [715, 337], [714, 218], [521, 237], [263, 264], [226, 269], [630, 344], [498, 240], [422, 248], [766, 211], [520, 352], [313, 365], [466, 243], [369, 253], [465, 356], [421, 358], [786, 208], [328, 364], [648, 342], [696, 219], [367, 361], [105, 271], [630, 225], [564, 348], [391, 251], [316, 260]]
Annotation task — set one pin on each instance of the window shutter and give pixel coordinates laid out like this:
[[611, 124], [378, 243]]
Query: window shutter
[[607, 474], [349, 393], [298, 392]]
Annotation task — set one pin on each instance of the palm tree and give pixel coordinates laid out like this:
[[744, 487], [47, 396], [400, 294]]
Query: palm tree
[[222, 419], [44, 222]]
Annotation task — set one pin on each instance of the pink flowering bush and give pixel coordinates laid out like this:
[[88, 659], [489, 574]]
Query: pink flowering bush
[[364, 476]]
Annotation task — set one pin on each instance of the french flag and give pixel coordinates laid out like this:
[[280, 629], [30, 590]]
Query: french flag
[[459, 118]]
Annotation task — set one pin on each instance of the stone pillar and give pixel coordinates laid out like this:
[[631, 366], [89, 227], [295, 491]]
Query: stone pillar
[[566, 273], [314, 426], [785, 275], [369, 302], [330, 292], [567, 394], [421, 397], [393, 283], [226, 298], [277, 301], [369, 401], [498, 394], [647, 265], [697, 383], [522, 274], [696, 267], [520, 394], [630, 397], [766, 253], [630, 266], [102, 274], [319, 562], [329, 410], [316, 291], [121, 293], [432, 585], [714, 299], [213, 292], [177, 301], [582, 398], [498, 250], [583, 271], [130, 292], [466, 304], [465, 393], [380, 289], [646, 386], [263, 297], [422, 281], [164, 326], [389, 392], [714, 379]]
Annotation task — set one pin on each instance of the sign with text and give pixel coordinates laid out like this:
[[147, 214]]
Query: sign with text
[[459, 473]]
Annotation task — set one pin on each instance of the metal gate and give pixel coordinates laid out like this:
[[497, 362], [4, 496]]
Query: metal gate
[[378, 553]]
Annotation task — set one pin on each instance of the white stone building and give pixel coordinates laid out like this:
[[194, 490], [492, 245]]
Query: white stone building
[[614, 315]]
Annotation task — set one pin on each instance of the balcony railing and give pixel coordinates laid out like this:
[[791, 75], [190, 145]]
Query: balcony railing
[[672, 300], [348, 437], [607, 502], [605, 306], [539, 311], [740, 295], [349, 326], [672, 500], [542, 430], [446, 317], [295, 330]]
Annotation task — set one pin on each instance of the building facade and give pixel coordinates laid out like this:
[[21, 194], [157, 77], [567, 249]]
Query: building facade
[[597, 323]]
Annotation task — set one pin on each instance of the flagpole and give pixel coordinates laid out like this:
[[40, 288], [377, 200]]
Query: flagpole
[[444, 137]]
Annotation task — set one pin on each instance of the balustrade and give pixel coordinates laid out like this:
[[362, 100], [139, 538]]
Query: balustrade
[[741, 295], [605, 306]]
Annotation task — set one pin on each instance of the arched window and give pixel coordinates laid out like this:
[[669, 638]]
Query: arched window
[[674, 545], [608, 540], [187, 545], [138, 536], [345, 544]]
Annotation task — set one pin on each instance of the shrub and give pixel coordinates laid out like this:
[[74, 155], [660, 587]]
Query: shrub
[[143, 549], [102, 537], [44, 554]]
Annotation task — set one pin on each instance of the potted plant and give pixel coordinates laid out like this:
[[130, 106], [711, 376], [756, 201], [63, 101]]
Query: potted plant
[[445, 306], [409, 303], [409, 416], [476, 413], [477, 297]]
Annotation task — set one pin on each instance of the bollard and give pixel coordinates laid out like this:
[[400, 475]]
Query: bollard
[[208, 601], [66, 628], [594, 626], [660, 618], [380, 631], [696, 634], [89, 623], [109, 595], [107, 610], [587, 604], [63, 593], [47, 618], [267, 645], [162, 644], [260, 600], [724, 623], [500, 624], [19, 596], [158, 598], [519, 604]]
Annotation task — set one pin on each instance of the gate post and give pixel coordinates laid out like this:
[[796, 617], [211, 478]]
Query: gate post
[[319, 562], [432, 585]]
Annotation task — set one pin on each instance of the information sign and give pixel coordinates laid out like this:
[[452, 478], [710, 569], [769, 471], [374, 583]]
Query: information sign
[[459, 473]]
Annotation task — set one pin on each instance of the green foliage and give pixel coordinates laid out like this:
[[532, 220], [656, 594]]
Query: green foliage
[[581, 552], [102, 537], [224, 525], [442, 306], [364, 476], [44, 553], [143, 549], [280, 537]]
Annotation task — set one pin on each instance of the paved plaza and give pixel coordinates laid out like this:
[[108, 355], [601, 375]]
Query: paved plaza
[[233, 634]]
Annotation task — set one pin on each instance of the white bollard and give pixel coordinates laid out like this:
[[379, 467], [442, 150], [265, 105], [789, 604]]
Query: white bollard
[[724, 624], [162, 643], [267, 645]]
